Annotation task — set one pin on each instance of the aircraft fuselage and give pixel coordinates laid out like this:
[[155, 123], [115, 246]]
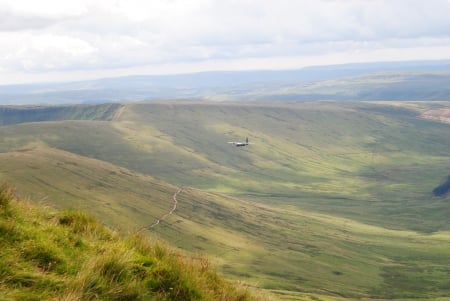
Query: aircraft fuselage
[[241, 144]]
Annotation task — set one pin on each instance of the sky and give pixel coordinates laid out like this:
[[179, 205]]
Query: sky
[[62, 40]]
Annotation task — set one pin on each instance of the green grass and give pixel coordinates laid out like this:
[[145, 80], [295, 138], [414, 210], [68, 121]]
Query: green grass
[[333, 201], [352, 159], [123, 199], [52, 255], [300, 251]]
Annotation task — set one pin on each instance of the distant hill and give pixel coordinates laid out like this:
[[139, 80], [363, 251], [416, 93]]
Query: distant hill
[[311, 83], [392, 86]]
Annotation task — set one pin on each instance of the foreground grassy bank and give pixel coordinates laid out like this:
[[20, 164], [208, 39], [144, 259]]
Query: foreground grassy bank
[[49, 255]]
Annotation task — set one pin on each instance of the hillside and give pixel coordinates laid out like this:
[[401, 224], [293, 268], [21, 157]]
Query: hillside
[[363, 155], [123, 199], [53, 255], [18, 114], [332, 201]]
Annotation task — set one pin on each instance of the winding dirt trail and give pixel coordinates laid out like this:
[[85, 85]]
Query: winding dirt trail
[[175, 203]]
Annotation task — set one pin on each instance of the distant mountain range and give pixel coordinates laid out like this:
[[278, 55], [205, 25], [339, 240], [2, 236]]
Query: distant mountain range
[[412, 80]]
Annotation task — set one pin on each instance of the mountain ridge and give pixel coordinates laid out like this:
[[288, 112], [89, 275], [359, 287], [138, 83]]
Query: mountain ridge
[[216, 85]]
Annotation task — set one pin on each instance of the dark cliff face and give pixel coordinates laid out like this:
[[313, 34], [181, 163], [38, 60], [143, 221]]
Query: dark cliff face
[[443, 188], [22, 114]]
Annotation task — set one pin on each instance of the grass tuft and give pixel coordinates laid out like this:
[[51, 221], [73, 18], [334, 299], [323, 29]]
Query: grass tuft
[[82, 223], [45, 257], [8, 232], [7, 194]]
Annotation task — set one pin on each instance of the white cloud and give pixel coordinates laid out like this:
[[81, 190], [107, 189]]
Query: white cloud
[[47, 8], [52, 36], [34, 53]]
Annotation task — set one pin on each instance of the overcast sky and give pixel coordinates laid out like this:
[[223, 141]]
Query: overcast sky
[[52, 40]]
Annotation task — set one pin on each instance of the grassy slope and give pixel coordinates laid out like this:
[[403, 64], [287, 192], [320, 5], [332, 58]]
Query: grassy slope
[[353, 165], [121, 198], [277, 249], [49, 255], [296, 251], [369, 162]]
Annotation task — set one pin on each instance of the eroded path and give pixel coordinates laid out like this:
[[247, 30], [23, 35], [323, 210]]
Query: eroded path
[[175, 203]]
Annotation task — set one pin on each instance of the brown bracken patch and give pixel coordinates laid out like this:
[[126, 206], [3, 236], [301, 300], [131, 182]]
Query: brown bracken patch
[[441, 115]]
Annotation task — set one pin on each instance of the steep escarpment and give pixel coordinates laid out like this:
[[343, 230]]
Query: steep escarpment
[[23, 114]]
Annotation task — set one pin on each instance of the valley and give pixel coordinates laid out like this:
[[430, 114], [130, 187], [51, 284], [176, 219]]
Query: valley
[[333, 201]]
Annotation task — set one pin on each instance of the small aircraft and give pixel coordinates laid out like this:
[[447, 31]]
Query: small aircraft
[[241, 143]]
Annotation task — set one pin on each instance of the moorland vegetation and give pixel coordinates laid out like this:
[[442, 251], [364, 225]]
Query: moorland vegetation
[[334, 200], [67, 255]]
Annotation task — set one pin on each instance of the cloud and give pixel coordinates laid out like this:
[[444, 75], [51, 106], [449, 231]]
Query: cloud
[[46, 8], [33, 53], [13, 22], [58, 35]]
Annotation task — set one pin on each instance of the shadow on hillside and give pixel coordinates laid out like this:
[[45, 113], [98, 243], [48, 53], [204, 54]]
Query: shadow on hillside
[[443, 188]]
